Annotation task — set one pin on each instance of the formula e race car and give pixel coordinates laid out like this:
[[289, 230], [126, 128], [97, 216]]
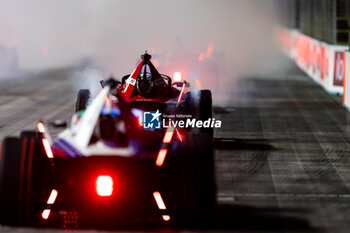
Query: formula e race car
[[149, 90], [106, 170]]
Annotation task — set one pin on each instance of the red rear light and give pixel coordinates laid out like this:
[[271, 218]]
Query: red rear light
[[161, 157], [161, 205], [104, 186], [166, 217], [159, 200], [40, 126], [168, 135], [47, 148], [52, 197], [46, 213]]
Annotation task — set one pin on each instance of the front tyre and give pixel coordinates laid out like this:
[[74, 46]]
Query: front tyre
[[82, 100]]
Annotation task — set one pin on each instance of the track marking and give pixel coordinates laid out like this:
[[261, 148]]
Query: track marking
[[50, 88], [226, 198], [41, 97], [289, 195], [35, 107]]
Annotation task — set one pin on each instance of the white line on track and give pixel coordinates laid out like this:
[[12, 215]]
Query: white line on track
[[289, 195], [34, 107]]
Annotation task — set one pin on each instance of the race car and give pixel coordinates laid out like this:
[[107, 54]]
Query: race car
[[149, 90], [106, 170]]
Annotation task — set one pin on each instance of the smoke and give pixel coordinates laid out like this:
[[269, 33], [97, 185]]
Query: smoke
[[87, 78], [210, 42]]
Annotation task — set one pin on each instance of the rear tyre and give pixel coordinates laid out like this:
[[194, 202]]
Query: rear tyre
[[22, 169], [82, 100], [10, 181], [205, 109], [36, 187], [196, 189]]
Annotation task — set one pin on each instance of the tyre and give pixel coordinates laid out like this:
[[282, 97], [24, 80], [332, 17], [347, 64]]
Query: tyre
[[10, 182], [205, 109], [22, 170], [36, 186], [194, 191], [82, 100]]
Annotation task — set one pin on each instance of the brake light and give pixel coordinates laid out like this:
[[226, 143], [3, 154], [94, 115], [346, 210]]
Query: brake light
[[52, 197], [177, 77], [159, 200], [166, 217], [40, 126], [47, 148], [46, 213], [104, 186], [160, 203], [168, 135], [161, 157]]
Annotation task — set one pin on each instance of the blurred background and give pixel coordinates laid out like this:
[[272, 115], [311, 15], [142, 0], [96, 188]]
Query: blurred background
[[213, 41], [325, 20]]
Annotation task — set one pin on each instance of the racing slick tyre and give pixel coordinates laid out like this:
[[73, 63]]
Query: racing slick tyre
[[205, 109], [10, 181], [21, 174], [36, 167], [82, 100], [195, 189]]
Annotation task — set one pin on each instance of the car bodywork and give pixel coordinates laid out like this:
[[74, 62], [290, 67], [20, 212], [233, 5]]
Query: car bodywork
[[151, 176], [146, 89]]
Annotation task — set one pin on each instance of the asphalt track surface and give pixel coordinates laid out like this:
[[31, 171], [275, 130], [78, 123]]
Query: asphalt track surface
[[281, 156]]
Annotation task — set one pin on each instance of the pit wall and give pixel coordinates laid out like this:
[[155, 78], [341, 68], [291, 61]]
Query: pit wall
[[327, 64]]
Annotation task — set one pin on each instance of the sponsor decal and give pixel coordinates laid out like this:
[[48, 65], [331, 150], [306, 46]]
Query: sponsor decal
[[338, 69], [132, 81]]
